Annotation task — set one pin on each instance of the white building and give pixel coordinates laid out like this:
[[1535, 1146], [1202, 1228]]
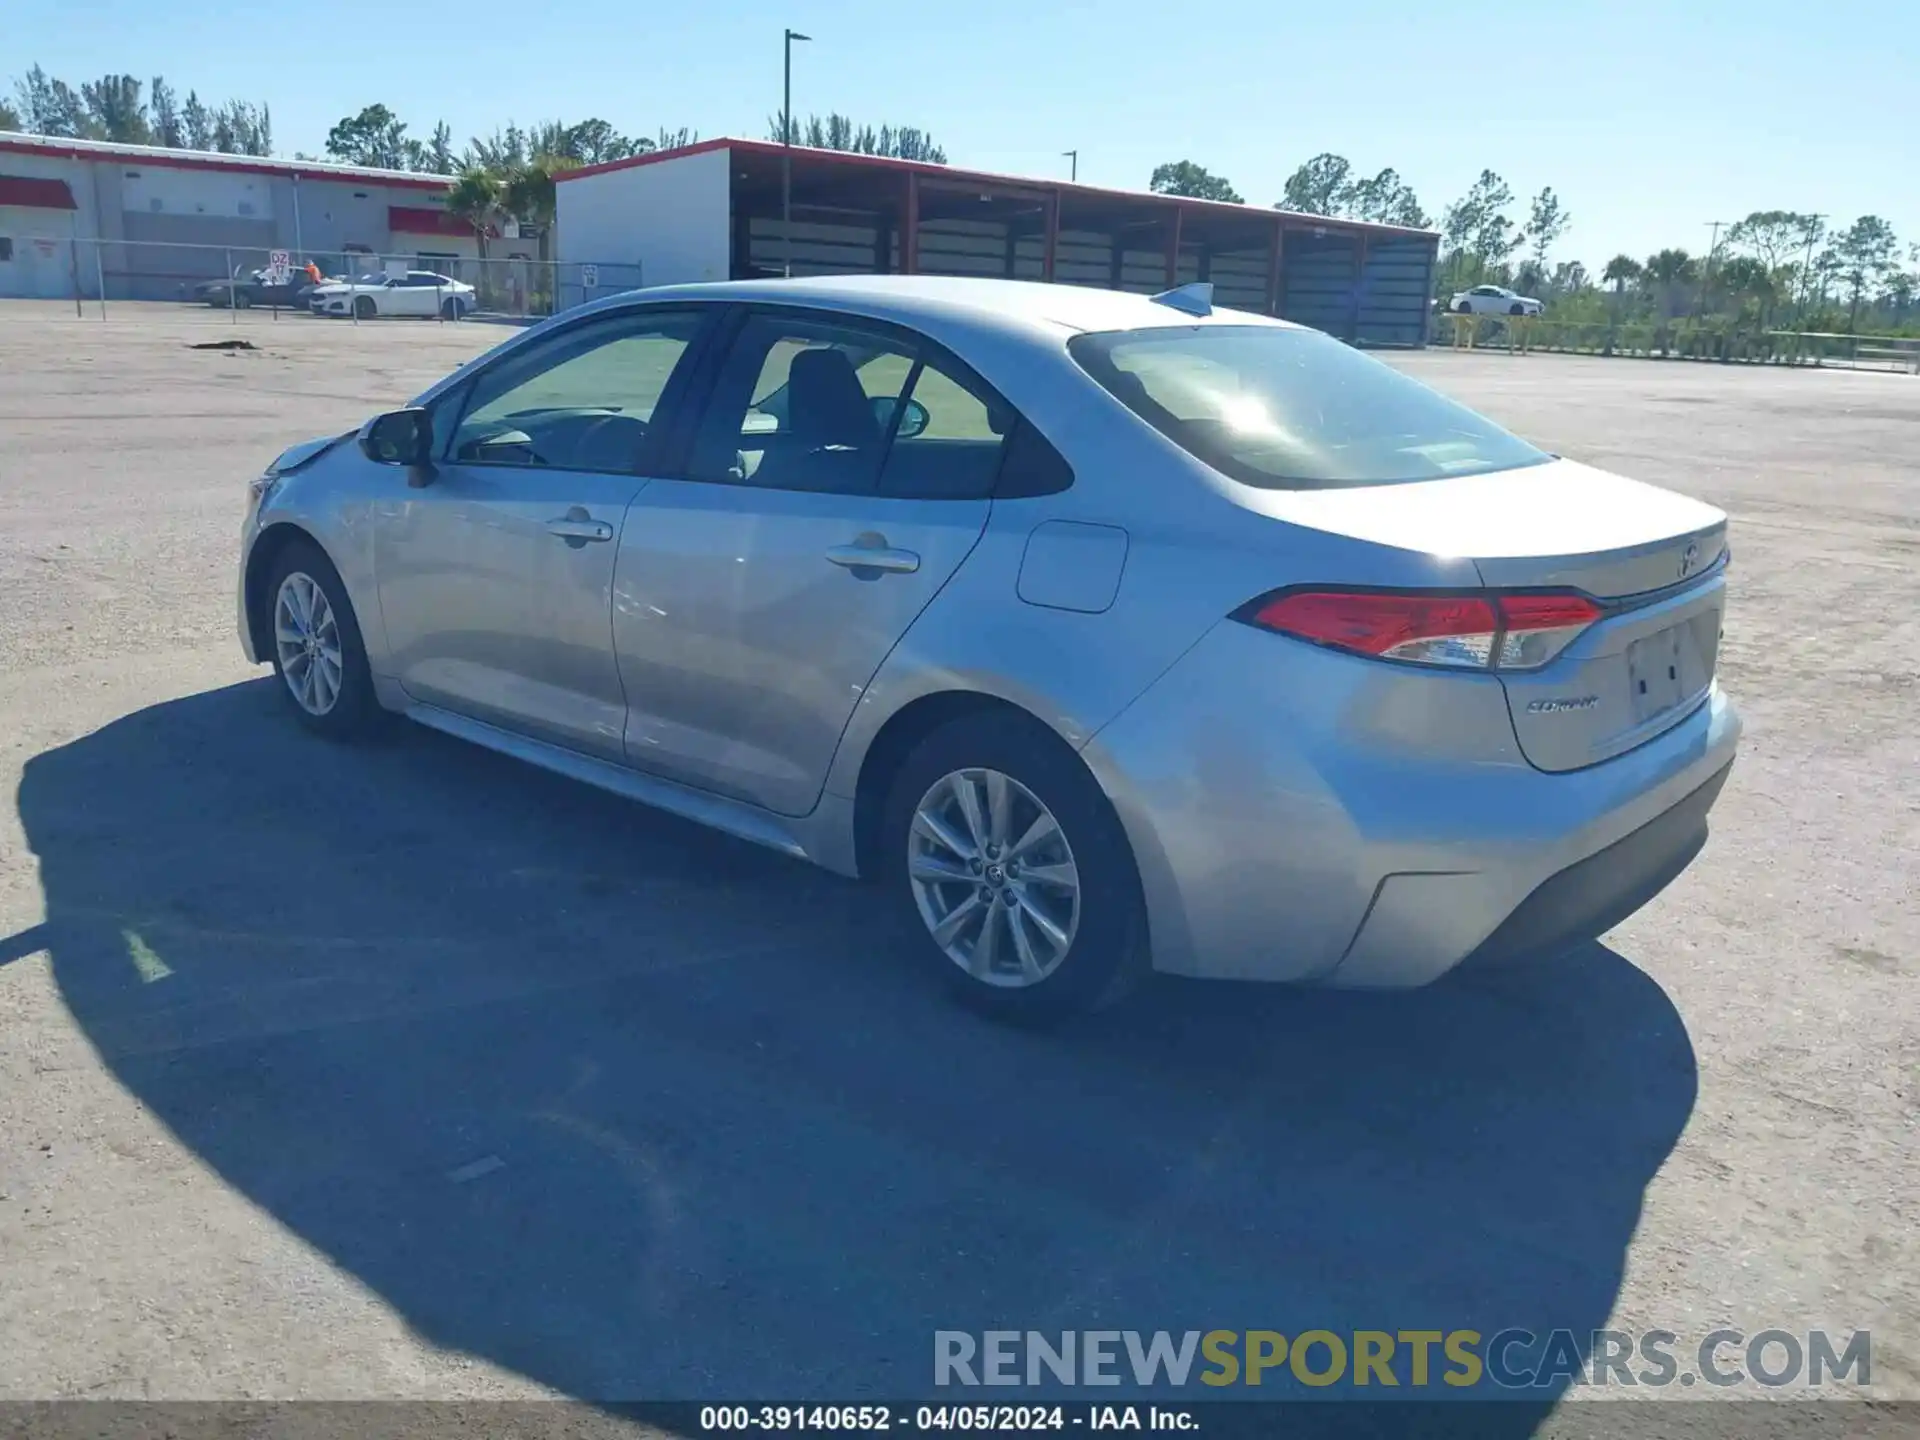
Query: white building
[[151, 223]]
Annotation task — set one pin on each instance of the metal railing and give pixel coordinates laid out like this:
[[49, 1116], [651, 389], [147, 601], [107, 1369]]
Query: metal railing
[[95, 274], [1677, 340]]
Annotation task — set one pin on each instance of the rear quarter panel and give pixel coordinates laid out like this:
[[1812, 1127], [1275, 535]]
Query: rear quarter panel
[[1193, 556]]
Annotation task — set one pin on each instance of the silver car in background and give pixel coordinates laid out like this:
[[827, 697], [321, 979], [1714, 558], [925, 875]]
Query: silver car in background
[[1105, 633]]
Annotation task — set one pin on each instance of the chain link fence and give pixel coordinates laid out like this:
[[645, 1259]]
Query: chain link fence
[[355, 285]]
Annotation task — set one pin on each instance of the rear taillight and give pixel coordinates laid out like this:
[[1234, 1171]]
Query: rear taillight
[[1535, 628], [1470, 632]]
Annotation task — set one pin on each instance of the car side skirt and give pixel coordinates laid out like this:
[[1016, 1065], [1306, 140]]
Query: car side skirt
[[823, 838]]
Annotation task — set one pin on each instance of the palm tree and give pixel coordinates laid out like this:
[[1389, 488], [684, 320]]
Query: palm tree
[[1621, 271], [475, 198], [527, 194], [1672, 270]]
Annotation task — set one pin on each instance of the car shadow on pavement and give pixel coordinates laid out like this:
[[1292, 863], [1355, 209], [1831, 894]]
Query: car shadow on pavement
[[640, 1111]]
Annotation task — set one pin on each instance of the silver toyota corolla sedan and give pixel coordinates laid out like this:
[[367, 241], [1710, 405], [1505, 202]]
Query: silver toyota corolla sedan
[[1106, 633]]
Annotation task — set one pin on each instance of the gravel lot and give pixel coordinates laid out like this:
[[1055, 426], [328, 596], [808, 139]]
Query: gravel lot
[[408, 1072]]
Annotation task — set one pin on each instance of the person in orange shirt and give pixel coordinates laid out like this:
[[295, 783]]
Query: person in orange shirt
[[313, 272]]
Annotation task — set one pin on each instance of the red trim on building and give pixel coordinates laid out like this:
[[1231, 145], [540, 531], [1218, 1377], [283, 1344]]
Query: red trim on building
[[1063, 190], [36, 193], [134, 157], [654, 156], [421, 220]]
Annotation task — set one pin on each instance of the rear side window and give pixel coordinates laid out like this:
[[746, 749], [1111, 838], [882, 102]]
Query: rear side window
[[829, 404], [1290, 409], [803, 404], [948, 440], [1030, 466]]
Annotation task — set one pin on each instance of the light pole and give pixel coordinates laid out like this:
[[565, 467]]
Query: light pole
[[786, 159], [1073, 174], [1814, 228], [1706, 273]]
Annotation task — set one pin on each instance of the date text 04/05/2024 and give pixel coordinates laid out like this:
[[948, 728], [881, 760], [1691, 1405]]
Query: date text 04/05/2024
[[992, 1419]]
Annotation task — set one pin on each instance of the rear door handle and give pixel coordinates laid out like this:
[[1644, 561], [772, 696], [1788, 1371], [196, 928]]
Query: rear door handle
[[864, 557], [571, 528]]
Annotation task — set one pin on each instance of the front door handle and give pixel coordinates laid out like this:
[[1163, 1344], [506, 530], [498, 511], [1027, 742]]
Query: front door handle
[[874, 557], [578, 528]]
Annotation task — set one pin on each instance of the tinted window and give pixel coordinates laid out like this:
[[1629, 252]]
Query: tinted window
[[1029, 465], [1293, 409], [803, 405], [950, 438], [583, 400]]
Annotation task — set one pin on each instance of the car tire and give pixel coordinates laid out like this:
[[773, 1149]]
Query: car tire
[[1020, 775], [364, 307], [1517, 310], [328, 682], [242, 300], [1465, 307]]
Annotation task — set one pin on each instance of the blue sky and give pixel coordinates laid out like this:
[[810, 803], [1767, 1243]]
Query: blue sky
[[1649, 119]]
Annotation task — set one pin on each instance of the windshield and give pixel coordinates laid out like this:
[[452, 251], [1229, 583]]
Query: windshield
[[1292, 409], [371, 280]]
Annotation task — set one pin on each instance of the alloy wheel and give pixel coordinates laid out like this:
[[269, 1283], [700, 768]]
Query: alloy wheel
[[993, 877], [306, 638]]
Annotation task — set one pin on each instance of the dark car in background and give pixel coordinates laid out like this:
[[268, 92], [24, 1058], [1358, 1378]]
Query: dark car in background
[[247, 288]]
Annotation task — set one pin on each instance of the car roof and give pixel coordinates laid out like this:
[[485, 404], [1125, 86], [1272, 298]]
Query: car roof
[[951, 302]]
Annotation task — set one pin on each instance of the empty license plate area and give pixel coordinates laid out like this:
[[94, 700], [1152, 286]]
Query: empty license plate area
[[1673, 666]]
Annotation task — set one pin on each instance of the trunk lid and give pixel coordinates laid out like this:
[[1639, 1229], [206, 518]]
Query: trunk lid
[[1654, 559]]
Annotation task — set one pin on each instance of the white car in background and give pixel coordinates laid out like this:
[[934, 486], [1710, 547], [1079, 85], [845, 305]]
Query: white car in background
[[1492, 300], [418, 292]]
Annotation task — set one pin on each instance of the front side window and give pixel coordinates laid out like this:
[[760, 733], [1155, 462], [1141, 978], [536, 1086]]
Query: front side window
[[583, 400], [1292, 409]]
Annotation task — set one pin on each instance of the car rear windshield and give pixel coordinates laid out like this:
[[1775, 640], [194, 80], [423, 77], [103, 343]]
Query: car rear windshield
[[1289, 409]]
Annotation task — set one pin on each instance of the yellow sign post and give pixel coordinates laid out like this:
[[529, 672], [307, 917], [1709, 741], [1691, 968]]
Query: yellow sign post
[[1519, 331]]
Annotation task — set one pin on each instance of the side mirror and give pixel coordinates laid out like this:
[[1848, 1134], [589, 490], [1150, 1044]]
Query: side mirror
[[913, 420], [400, 437]]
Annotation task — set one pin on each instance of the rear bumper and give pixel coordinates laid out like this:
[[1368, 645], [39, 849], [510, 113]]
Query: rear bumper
[[1593, 895], [1300, 815]]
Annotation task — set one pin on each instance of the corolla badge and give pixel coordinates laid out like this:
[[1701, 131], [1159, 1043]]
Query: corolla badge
[[1561, 704], [1690, 558]]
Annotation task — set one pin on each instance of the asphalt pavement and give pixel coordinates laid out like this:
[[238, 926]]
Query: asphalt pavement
[[407, 1072]]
